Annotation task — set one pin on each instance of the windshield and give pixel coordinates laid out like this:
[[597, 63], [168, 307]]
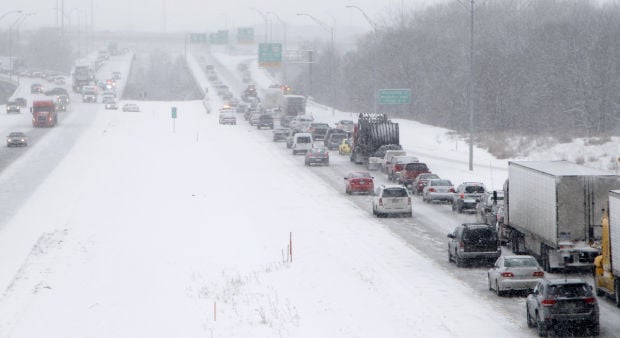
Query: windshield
[[394, 192], [514, 262]]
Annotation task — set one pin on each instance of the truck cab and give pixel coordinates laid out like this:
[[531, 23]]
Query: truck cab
[[44, 113]]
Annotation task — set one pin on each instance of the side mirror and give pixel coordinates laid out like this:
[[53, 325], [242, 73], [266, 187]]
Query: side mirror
[[345, 178], [450, 235]]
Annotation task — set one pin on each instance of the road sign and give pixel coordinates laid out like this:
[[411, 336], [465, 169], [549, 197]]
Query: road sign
[[174, 112], [219, 38], [395, 96], [198, 38], [269, 54], [245, 35], [298, 56]]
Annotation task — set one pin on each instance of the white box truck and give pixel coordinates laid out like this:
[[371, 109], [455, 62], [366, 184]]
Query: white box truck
[[606, 273], [553, 211]]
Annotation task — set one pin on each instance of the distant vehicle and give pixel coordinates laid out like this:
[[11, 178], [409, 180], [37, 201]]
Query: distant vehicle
[[486, 209], [397, 165], [13, 107], [438, 189], [388, 157], [89, 94], [36, 88], [62, 98], [302, 143], [318, 130], [346, 125], [60, 80], [467, 195], [345, 147], [473, 241], [255, 118], [317, 156], [109, 103], [359, 181], [60, 105], [292, 105], [376, 160], [44, 113], [16, 139], [56, 91], [227, 117], [334, 140], [21, 101], [280, 134], [391, 200], [411, 172], [555, 303], [131, 107], [265, 120], [514, 273], [420, 182], [302, 123]]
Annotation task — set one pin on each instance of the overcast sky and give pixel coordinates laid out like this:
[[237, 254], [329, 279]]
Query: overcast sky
[[201, 15]]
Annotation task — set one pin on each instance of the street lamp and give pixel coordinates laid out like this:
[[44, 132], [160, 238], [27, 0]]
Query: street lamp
[[330, 30], [264, 18], [9, 12], [374, 55], [283, 45], [15, 24]]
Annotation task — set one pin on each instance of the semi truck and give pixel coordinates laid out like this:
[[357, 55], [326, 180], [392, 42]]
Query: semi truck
[[291, 107], [370, 133], [44, 113], [553, 211], [606, 274], [83, 75]]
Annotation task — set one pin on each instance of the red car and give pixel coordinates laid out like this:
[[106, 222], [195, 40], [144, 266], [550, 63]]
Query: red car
[[420, 182], [411, 172], [359, 181]]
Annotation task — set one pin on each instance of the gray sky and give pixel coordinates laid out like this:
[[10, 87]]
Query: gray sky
[[200, 15]]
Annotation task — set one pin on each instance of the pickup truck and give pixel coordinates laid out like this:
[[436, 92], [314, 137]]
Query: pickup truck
[[411, 172]]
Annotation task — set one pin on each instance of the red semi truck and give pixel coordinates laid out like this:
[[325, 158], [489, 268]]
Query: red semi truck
[[44, 113]]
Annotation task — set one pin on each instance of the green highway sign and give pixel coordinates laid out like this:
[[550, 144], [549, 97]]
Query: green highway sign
[[269, 54], [174, 112], [395, 96], [245, 35], [219, 38], [198, 38]]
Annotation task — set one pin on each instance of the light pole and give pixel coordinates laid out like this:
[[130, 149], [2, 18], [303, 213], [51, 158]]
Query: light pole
[[374, 55], [330, 30], [284, 65], [9, 12], [15, 24], [264, 18]]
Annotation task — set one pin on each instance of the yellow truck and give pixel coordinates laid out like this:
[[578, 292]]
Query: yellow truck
[[606, 274]]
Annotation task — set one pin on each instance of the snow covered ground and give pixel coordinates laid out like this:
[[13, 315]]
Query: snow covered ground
[[149, 229], [142, 231]]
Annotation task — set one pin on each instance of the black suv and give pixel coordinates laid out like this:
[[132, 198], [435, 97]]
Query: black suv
[[473, 241], [467, 196], [265, 121], [562, 303]]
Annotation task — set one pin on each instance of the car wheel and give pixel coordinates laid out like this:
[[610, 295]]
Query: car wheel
[[459, 261], [489, 282], [540, 327], [348, 191], [498, 291], [530, 322]]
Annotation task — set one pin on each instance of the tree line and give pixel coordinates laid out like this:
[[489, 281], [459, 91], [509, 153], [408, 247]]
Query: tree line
[[543, 67]]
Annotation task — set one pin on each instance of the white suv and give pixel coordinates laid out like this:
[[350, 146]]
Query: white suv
[[391, 199]]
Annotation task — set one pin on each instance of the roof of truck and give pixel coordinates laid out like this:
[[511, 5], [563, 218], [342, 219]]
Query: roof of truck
[[561, 168]]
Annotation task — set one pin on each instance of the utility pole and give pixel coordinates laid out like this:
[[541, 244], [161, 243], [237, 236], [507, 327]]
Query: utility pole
[[471, 86]]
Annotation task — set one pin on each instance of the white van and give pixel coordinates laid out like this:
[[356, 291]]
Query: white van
[[302, 142]]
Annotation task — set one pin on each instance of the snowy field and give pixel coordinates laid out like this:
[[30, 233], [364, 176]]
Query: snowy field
[[149, 228]]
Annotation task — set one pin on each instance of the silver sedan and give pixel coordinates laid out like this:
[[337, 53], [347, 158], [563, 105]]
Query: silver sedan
[[514, 273], [438, 189]]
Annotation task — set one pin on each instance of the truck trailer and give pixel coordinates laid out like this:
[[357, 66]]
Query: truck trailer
[[553, 211], [606, 273], [370, 133]]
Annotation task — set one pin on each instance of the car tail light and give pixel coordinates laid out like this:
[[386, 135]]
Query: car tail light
[[508, 274], [381, 201], [451, 190], [538, 274], [461, 245], [548, 302], [461, 195], [431, 189], [590, 300]]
